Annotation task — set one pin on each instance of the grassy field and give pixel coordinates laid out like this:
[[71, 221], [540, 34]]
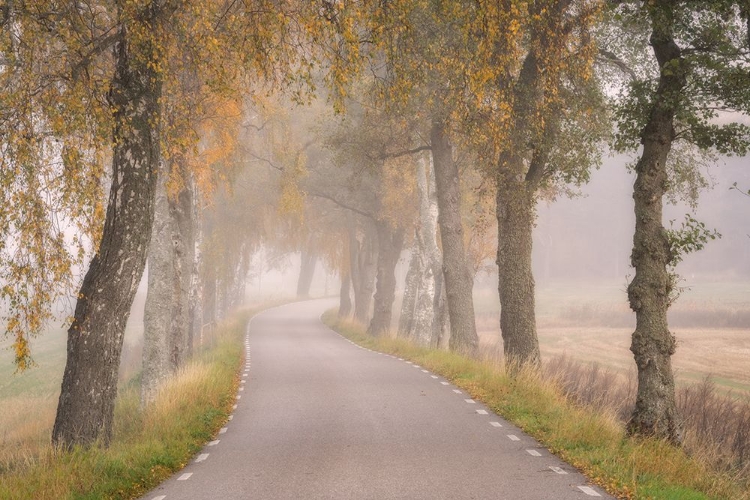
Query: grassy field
[[593, 323], [590, 437]]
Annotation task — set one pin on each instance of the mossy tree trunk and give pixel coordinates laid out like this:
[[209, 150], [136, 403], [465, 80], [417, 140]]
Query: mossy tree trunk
[[652, 344]]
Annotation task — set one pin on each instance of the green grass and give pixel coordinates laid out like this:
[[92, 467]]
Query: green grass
[[148, 445], [592, 441]]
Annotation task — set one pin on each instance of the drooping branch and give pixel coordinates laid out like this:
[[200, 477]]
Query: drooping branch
[[610, 57], [341, 203], [405, 152]]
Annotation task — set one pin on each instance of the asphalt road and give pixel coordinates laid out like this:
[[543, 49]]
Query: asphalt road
[[318, 417]]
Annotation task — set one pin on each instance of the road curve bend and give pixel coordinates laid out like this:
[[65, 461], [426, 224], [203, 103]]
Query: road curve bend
[[318, 417]]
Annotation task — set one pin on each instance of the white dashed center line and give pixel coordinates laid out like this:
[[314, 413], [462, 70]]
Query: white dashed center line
[[201, 457], [185, 476], [557, 470], [534, 453], [513, 437], [482, 412], [496, 424], [589, 491]]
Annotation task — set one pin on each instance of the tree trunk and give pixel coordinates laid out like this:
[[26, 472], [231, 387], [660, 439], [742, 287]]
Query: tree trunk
[[441, 324], [158, 311], [345, 300], [364, 260], [428, 253], [390, 244], [308, 260], [184, 262], [515, 218], [458, 279], [411, 289], [89, 387], [652, 343]]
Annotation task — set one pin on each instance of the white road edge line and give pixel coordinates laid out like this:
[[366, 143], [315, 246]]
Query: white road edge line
[[434, 376], [534, 453], [457, 391], [425, 371], [557, 470], [214, 442], [470, 401], [589, 491], [496, 424], [222, 430], [185, 476], [482, 412], [160, 497], [201, 457], [445, 383], [513, 437]]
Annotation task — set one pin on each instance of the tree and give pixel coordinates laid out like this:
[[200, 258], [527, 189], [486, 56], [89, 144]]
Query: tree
[[555, 103], [700, 53], [420, 309], [272, 49], [53, 136], [86, 406]]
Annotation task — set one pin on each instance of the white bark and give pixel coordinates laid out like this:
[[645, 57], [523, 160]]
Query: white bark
[[157, 315]]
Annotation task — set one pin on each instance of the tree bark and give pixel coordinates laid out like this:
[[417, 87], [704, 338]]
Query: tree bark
[[157, 317], [426, 258], [363, 263], [411, 289], [167, 340], [184, 262], [345, 300], [89, 387], [390, 244], [515, 217], [458, 279], [652, 344], [308, 260]]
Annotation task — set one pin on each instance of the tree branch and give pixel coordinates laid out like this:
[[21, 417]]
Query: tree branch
[[398, 154], [341, 204], [611, 58], [97, 49]]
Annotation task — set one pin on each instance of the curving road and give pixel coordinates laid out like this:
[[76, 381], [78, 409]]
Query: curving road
[[318, 417]]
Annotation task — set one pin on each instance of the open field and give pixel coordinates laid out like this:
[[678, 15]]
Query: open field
[[593, 324]]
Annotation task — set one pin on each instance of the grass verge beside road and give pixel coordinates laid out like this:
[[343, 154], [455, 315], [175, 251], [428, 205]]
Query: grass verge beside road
[[591, 440], [148, 445]]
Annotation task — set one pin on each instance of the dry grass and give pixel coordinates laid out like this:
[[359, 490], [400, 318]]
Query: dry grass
[[148, 444]]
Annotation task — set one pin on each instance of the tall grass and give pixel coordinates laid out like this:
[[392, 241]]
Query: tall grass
[[577, 411], [148, 444]]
